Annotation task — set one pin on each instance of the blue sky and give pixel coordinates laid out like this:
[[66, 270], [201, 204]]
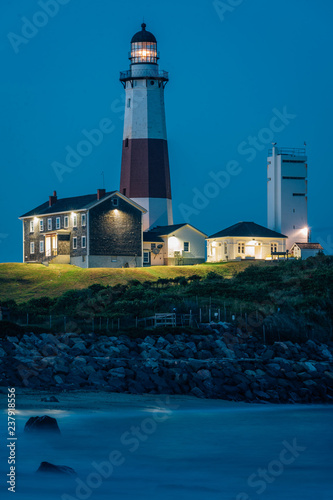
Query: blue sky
[[231, 71]]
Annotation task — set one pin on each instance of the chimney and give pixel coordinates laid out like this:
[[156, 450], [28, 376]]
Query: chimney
[[53, 199], [100, 193]]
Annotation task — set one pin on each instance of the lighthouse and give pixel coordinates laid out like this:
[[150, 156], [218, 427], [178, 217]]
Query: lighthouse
[[145, 173]]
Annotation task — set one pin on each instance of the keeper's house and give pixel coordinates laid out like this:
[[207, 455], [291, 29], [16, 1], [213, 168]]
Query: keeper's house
[[96, 230], [245, 240], [175, 245]]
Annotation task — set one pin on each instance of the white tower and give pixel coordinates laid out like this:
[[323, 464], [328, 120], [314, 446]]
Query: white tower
[[287, 210], [145, 175]]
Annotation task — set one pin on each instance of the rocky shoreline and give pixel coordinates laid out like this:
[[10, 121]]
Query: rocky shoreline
[[216, 363]]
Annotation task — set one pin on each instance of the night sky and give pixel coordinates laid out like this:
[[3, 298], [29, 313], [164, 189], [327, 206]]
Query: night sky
[[231, 72]]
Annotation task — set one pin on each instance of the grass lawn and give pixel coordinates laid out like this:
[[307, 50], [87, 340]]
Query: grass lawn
[[22, 282]]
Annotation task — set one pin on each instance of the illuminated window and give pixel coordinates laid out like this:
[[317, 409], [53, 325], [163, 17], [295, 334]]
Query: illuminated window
[[274, 247], [74, 220], [31, 226], [41, 225], [66, 221], [41, 246], [83, 220], [49, 224], [58, 223], [241, 248], [32, 247], [84, 242], [186, 246], [74, 243]]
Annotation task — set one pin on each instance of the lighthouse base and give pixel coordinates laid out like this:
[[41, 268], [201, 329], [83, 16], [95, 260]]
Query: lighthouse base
[[159, 212]]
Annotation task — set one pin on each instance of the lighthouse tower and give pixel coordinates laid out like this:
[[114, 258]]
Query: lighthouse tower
[[145, 174]]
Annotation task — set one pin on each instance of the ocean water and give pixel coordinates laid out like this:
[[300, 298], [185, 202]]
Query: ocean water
[[178, 448]]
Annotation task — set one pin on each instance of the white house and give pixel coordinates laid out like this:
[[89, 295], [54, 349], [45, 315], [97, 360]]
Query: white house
[[305, 250], [179, 244], [245, 240]]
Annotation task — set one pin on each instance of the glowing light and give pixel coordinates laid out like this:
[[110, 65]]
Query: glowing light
[[305, 231], [35, 220], [144, 53]]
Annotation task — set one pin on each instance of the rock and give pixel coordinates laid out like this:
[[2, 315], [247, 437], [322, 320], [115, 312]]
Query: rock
[[58, 379], [96, 379], [269, 354], [197, 393], [309, 383], [150, 340], [310, 366], [192, 346], [50, 399], [327, 354], [117, 372], [204, 374], [152, 364], [42, 424], [151, 354], [13, 340], [48, 468], [161, 343]]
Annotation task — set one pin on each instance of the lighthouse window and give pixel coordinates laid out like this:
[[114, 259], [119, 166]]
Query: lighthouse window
[[128, 103], [126, 143], [152, 82]]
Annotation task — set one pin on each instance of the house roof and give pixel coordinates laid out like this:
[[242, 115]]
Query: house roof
[[73, 204], [309, 246], [167, 230], [151, 237], [248, 229]]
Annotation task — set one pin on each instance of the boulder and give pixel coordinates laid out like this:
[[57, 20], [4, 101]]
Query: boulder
[[50, 399], [117, 372], [197, 393], [42, 424], [204, 374], [48, 468]]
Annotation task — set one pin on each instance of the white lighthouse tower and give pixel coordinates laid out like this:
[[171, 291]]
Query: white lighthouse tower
[[287, 203], [145, 174]]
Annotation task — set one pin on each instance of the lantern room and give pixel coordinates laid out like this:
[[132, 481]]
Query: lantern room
[[144, 47]]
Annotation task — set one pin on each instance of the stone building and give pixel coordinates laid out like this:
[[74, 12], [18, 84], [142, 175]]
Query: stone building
[[96, 230]]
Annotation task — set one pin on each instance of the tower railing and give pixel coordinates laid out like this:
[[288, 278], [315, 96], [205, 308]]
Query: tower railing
[[288, 151], [144, 73]]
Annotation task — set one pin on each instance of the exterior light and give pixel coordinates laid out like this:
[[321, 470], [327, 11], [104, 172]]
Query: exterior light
[[305, 231]]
